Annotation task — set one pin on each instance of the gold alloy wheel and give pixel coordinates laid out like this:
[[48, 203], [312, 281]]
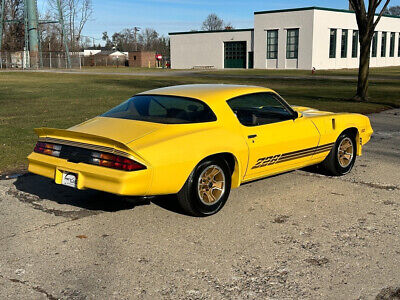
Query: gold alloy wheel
[[345, 152], [211, 185]]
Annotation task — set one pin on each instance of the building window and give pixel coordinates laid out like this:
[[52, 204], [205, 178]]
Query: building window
[[398, 46], [343, 49], [392, 40], [383, 46], [354, 48], [292, 44], [374, 44], [332, 43], [272, 44]]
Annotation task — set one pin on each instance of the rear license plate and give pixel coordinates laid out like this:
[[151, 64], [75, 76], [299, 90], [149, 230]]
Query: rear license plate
[[69, 179]]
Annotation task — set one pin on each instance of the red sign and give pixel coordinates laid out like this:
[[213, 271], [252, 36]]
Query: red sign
[[158, 56]]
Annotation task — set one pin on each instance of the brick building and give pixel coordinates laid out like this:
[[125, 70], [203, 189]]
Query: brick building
[[142, 59]]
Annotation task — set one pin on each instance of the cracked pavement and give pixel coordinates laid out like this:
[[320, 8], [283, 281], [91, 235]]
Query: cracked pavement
[[296, 235]]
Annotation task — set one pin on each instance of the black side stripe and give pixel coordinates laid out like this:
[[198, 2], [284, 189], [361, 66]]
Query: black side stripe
[[276, 159]]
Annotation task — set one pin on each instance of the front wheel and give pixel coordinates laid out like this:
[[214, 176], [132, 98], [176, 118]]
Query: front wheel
[[342, 157], [207, 188]]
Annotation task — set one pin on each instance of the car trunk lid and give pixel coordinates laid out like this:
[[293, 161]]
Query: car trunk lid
[[122, 130]]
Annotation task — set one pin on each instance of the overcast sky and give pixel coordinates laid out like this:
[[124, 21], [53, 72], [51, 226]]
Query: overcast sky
[[183, 15]]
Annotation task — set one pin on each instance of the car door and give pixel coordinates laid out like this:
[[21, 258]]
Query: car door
[[277, 137]]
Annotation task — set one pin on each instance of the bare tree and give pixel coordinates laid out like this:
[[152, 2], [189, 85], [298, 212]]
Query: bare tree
[[147, 38], [212, 22], [76, 14], [367, 22], [13, 38], [393, 11], [228, 26]]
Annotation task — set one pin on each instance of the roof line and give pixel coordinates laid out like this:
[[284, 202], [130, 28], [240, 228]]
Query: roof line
[[211, 31], [315, 8]]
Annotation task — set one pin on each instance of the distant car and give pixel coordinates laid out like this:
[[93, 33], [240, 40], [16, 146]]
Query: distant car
[[197, 141]]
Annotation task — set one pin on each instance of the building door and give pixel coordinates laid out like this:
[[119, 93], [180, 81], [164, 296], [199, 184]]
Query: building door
[[235, 55]]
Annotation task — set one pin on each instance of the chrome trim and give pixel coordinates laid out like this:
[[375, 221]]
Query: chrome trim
[[86, 146]]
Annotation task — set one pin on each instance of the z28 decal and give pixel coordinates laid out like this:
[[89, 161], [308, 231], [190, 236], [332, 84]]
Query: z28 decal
[[266, 161], [271, 160]]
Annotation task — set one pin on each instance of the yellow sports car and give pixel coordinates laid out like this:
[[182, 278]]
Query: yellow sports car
[[197, 141]]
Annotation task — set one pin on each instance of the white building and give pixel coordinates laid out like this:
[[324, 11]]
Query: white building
[[89, 52], [300, 38]]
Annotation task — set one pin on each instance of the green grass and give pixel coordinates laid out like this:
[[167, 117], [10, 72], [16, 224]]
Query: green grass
[[114, 69], [30, 100], [374, 72]]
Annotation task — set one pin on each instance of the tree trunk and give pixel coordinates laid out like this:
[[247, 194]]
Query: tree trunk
[[363, 72]]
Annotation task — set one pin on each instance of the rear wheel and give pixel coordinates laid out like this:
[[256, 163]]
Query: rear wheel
[[207, 188], [342, 157]]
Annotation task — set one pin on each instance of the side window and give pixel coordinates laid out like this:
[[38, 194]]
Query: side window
[[259, 109], [155, 109]]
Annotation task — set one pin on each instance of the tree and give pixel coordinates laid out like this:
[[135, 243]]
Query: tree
[[228, 26], [13, 33], [128, 39], [76, 15], [147, 38], [105, 38], [393, 11], [212, 22], [366, 21]]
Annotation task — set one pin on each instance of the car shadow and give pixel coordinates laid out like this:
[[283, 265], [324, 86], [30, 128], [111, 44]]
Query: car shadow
[[170, 203], [91, 200], [44, 188], [316, 169]]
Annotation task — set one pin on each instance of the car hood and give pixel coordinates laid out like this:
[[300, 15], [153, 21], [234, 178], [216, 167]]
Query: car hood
[[310, 112], [122, 130]]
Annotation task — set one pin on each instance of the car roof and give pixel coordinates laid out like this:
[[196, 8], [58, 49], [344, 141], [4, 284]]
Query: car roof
[[208, 92]]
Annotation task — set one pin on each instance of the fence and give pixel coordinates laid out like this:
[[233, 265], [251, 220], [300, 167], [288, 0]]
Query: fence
[[48, 60], [100, 60], [58, 60]]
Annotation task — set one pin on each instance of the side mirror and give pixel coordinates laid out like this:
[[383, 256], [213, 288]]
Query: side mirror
[[297, 115]]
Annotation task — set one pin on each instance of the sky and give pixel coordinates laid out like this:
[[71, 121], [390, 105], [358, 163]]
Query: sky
[[183, 15]]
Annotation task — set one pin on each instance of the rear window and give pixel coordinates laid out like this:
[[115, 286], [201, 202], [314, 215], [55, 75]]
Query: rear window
[[163, 109]]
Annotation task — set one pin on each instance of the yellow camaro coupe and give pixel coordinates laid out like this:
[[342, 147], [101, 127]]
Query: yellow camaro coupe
[[197, 141]]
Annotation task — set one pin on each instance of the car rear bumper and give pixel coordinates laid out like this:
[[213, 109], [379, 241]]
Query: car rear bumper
[[134, 183]]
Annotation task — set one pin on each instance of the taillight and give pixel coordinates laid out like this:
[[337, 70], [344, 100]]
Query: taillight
[[115, 162], [48, 149]]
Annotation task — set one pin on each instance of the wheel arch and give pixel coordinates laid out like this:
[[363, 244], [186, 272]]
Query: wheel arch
[[354, 132], [233, 164]]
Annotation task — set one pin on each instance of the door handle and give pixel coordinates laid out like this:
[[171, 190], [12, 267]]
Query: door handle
[[252, 136]]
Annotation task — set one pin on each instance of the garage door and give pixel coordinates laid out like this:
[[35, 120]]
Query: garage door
[[235, 55]]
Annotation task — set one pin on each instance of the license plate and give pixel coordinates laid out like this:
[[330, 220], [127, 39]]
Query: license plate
[[69, 179]]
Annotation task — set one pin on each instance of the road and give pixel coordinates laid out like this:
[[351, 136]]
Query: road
[[296, 235]]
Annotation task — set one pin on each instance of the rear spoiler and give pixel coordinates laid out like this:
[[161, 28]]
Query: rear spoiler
[[80, 137]]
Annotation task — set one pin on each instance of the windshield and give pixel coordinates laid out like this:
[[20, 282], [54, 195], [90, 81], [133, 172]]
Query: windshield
[[163, 109]]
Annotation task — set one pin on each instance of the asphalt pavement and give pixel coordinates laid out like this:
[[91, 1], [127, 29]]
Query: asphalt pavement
[[297, 235]]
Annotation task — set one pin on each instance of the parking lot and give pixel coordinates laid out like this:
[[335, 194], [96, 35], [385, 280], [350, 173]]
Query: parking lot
[[296, 235]]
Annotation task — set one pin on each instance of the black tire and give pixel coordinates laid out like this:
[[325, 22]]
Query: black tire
[[333, 164], [189, 196]]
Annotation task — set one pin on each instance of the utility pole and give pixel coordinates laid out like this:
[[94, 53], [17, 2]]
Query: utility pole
[[135, 31], [33, 32], [49, 55]]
